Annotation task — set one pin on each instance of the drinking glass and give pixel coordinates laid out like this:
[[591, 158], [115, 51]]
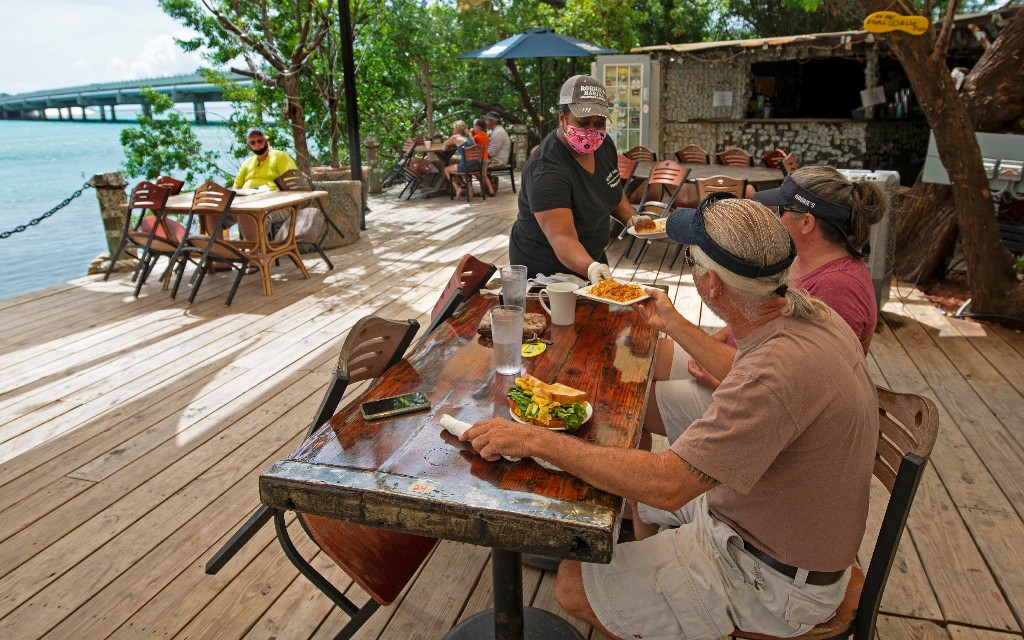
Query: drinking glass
[[513, 285], [507, 335]]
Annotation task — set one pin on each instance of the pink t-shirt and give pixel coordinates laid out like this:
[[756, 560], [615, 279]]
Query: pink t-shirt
[[791, 436], [845, 286]]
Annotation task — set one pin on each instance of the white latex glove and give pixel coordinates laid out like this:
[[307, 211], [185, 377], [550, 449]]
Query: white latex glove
[[597, 272], [635, 219]]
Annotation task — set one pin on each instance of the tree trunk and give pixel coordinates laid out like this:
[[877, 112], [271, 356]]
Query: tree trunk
[[332, 110], [520, 87], [988, 262], [293, 111], [994, 99], [428, 98]]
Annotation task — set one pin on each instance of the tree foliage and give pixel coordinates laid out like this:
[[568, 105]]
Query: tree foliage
[[148, 154]]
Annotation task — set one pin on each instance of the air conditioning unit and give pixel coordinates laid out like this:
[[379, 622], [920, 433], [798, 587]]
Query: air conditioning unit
[[881, 261]]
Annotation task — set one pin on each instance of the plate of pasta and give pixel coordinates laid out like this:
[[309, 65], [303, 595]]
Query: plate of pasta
[[612, 291]]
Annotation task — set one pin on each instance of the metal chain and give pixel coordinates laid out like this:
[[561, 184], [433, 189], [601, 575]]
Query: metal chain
[[31, 223]]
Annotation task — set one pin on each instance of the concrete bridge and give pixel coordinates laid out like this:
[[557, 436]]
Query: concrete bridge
[[192, 88]]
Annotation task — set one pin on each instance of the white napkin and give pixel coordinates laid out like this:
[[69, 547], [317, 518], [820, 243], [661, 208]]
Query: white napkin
[[560, 277], [458, 427]]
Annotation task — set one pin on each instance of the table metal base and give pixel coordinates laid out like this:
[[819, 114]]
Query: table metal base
[[538, 625]]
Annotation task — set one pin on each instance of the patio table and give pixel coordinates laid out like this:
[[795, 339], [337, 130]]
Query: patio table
[[262, 252], [407, 474], [440, 157]]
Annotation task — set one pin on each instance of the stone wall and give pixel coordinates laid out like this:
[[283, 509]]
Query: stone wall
[[345, 208], [688, 116]]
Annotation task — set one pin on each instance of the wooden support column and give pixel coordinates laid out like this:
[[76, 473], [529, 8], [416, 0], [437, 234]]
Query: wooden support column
[[199, 109]]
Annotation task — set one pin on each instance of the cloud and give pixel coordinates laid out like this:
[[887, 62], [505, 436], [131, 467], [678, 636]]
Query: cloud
[[160, 56]]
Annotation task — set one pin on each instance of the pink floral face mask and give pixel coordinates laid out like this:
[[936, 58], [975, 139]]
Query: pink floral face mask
[[584, 139]]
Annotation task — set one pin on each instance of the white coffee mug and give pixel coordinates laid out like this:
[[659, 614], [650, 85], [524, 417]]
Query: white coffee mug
[[563, 302]]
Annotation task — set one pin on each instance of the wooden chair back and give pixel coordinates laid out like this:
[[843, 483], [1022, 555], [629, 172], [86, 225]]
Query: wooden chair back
[[734, 157], [773, 158], [907, 427], [735, 186], [627, 166], [149, 196], [474, 153], [293, 180], [471, 274], [173, 184], [641, 154], [692, 154], [789, 164], [381, 562]]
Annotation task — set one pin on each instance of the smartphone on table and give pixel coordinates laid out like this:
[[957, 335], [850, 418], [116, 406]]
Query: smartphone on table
[[395, 405]]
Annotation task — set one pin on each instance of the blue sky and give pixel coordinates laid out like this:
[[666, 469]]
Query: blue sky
[[47, 44]]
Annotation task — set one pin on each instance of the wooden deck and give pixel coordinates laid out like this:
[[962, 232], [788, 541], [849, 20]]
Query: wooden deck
[[132, 433]]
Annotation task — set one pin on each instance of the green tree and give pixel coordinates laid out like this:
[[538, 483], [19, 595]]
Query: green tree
[[148, 153]]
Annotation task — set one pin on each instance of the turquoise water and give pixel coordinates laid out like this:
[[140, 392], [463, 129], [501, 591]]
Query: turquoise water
[[41, 163]]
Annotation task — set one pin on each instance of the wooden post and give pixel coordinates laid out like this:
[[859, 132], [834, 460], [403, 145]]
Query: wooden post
[[373, 162], [113, 200]]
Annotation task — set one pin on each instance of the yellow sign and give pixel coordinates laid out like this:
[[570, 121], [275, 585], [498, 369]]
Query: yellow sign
[[882, 21]]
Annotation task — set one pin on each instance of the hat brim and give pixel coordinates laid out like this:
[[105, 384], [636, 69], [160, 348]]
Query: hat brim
[[589, 110], [680, 228], [771, 198]]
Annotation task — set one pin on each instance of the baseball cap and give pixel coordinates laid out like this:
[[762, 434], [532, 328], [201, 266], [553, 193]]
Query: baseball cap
[[253, 130], [490, 115], [792, 194], [686, 226], [585, 97]]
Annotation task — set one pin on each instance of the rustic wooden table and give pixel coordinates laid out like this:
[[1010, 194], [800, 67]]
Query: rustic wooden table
[[407, 474], [262, 252]]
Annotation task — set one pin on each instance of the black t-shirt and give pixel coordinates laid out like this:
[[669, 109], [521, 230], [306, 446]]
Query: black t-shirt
[[552, 179]]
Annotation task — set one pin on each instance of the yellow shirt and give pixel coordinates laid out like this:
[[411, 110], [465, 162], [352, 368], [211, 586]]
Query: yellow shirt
[[255, 174]]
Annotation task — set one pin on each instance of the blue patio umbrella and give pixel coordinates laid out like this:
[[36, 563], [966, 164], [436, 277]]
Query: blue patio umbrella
[[539, 43]]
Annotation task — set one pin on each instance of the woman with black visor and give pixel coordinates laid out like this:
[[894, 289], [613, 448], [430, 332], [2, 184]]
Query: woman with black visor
[[829, 219]]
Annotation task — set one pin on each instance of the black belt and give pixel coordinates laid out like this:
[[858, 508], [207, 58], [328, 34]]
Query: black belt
[[817, 578]]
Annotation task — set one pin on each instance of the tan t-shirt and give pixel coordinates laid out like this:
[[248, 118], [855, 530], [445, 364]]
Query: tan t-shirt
[[791, 435]]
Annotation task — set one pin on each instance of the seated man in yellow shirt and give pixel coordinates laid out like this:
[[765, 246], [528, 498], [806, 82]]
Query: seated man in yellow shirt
[[257, 171]]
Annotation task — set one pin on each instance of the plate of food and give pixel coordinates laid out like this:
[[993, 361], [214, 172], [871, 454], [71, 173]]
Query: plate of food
[[649, 229], [612, 291], [553, 406]]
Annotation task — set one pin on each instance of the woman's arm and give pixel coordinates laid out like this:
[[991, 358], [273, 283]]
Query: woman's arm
[[558, 227]]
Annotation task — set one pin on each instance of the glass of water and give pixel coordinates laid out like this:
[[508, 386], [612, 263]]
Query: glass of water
[[513, 285], [507, 335]]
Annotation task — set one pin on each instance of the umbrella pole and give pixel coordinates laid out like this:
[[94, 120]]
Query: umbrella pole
[[540, 98]]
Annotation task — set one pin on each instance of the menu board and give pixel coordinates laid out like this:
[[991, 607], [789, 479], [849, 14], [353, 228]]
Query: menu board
[[624, 84]]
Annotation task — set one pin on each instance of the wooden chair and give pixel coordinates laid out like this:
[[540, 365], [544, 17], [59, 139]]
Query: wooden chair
[[147, 201], [626, 168], [641, 154], [507, 167], [668, 177], [908, 425], [734, 157], [209, 199], [381, 562], [692, 154], [773, 158], [472, 154], [171, 184], [407, 152], [313, 224], [471, 274], [789, 164], [416, 171]]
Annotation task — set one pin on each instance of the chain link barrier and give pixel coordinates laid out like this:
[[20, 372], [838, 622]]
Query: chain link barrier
[[31, 223]]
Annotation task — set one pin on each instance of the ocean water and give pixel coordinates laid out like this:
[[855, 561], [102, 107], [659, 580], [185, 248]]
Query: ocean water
[[41, 163]]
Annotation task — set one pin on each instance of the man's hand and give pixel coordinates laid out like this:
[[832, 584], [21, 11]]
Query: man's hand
[[635, 219], [499, 437], [702, 377], [658, 310], [597, 272]]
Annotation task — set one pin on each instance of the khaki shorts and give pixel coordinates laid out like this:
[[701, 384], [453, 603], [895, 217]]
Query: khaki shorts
[[696, 582], [681, 399]]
